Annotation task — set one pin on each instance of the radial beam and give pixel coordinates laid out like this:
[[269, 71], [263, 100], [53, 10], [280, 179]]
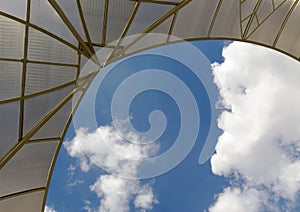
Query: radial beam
[[158, 2], [41, 123], [24, 69], [22, 193], [156, 24], [84, 25], [74, 31], [285, 21]]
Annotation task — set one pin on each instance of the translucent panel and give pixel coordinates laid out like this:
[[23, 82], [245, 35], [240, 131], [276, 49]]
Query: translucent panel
[[157, 36], [55, 126], [290, 37], [102, 54], [189, 25], [164, 29], [10, 79], [146, 15], [28, 202], [45, 48], [11, 38], [45, 16], [71, 11], [29, 168], [268, 30], [247, 7], [227, 23], [41, 77], [118, 15], [264, 10], [87, 66], [9, 126], [14, 7], [177, 1], [245, 23], [149, 40], [278, 2], [37, 107], [93, 11]]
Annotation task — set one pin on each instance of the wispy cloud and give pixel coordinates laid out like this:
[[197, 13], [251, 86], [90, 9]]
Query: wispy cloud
[[72, 181], [87, 206], [49, 209], [260, 145], [107, 149]]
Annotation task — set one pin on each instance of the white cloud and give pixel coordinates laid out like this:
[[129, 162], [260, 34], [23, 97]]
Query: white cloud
[[261, 138], [235, 200], [71, 169], [49, 209], [145, 198], [87, 206], [72, 181], [115, 193], [107, 149]]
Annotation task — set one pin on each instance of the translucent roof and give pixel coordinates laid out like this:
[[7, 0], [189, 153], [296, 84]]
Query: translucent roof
[[44, 44]]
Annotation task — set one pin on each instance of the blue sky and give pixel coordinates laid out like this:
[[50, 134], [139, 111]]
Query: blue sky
[[188, 187], [256, 165]]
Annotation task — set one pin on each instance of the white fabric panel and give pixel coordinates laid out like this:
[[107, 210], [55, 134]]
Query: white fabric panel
[[146, 15], [118, 15], [93, 14], [10, 79], [71, 11], [28, 169], [11, 38], [45, 16], [55, 126], [247, 7], [9, 126], [264, 9], [29, 202], [37, 107], [163, 29], [227, 24], [41, 77], [45, 48], [194, 19], [289, 40], [267, 32], [14, 7], [172, 1]]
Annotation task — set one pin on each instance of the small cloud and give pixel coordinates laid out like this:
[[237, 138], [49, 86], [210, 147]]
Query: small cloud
[[235, 200], [71, 168], [49, 209], [87, 206], [71, 182], [108, 149], [145, 198], [75, 183], [115, 194]]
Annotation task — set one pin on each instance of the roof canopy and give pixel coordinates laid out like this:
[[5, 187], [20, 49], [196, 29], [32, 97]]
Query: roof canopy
[[45, 43]]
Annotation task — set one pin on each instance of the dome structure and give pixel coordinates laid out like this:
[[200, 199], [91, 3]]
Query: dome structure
[[45, 43]]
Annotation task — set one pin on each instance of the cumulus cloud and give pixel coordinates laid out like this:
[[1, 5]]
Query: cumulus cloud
[[260, 144], [115, 193], [49, 209], [235, 200], [108, 149]]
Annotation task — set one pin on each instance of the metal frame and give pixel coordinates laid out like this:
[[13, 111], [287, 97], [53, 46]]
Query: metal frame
[[86, 48], [24, 60]]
